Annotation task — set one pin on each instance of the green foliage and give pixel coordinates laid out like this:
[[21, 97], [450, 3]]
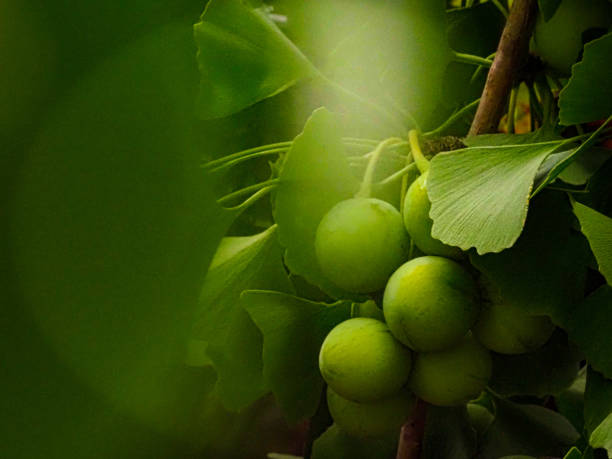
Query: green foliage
[[544, 272], [112, 229], [448, 433], [234, 342], [315, 162], [570, 402], [479, 195], [558, 41], [293, 330], [243, 58], [548, 7], [588, 96], [546, 371], [598, 230], [527, 430], [580, 171], [584, 328], [597, 409]]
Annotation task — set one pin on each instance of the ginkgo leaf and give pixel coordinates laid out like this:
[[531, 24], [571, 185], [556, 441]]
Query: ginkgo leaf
[[588, 95], [293, 330], [479, 196], [597, 228], [234, 342], [315, 176], [243, 58]]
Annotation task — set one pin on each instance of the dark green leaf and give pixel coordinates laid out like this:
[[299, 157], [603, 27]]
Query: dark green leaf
[[570, 402], [315, 176], [234, 342], [585, 329], [602, 435], [544, 272], [448, 433], [599, 196], [293, 330], [558, 162], [588, 95], [598, 230], [548, 8], [527, 430], [113, 227], [585, 166], [243, 58], [598, 409], [573, 453], [546, 371], [335, 444], [479, 195]]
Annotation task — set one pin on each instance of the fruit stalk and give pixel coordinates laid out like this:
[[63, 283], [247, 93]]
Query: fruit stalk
[[411, 435], [511, 54]]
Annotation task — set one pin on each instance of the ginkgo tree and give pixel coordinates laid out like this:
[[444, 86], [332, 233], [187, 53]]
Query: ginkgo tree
[[522, 214], [391, 219]]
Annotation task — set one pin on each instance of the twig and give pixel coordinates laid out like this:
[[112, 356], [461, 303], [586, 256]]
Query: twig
[[411, 435], [511, 54]]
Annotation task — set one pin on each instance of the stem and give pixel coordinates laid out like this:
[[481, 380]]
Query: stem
[[511, 54], [471, 59], [512, 109], [453, 118], [366, 185], [535, 107], [349, 141], [247, 190], [420, 160], [242, 153], [479, 69], [411, 435], [248, 157], [261, 193], [548, 100], [365, 102], [359, 140], [401, 173]]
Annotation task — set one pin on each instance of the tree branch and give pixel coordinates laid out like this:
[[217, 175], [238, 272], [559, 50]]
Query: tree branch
[[411, 435], [511, 54]]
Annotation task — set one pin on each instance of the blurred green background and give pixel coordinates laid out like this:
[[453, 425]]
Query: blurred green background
[[109, 228]]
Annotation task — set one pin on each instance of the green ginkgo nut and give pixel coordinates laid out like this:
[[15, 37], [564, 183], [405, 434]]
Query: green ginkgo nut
[[430, 303], [361, 361], [418, 223], [453, 376], [359, 243]]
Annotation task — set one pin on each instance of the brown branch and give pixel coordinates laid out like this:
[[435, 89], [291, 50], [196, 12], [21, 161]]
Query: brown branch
[[411, 435], [511, 54]]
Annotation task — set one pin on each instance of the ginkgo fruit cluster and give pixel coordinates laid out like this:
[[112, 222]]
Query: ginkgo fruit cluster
[[440, 319]]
